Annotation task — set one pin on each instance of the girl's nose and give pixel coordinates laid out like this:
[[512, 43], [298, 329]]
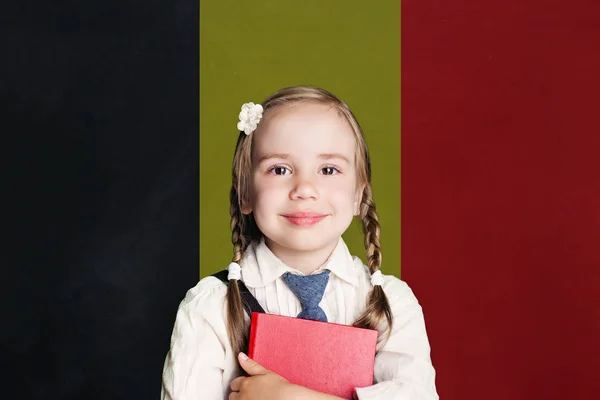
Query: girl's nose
[[304, 188]]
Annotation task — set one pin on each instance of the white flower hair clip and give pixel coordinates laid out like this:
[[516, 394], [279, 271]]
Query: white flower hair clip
[[250, 116]]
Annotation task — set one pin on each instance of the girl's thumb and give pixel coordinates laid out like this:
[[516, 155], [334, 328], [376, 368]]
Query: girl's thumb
[[250, 366]]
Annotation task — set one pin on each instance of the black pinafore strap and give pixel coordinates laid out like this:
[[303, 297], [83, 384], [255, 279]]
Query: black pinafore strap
[[250, 303]]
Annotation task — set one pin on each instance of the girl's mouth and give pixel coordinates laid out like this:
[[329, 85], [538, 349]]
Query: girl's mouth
[[305, 218]]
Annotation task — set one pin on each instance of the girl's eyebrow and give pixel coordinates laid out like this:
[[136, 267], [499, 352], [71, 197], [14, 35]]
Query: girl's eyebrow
[[274, 155], [329, 156], [326, 156]]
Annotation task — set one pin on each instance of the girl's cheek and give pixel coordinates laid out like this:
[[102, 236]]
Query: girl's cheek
[[266, 190], [268, 184], [340, 188], [342, 196]]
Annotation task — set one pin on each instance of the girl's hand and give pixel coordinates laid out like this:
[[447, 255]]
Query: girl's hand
[[262, 384]]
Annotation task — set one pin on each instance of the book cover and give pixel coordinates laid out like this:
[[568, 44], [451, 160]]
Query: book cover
[[327, 357]]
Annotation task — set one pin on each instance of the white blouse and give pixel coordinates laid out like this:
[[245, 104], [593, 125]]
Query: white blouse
[[200, 364]]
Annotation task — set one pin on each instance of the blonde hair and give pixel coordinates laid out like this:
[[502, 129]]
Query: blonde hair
[[244, 230]]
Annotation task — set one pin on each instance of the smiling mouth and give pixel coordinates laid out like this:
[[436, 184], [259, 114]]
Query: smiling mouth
[[304, 218]]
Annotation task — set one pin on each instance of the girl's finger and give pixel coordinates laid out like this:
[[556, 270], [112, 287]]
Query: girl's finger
[[236, 384], [251, 366], [234, 396]]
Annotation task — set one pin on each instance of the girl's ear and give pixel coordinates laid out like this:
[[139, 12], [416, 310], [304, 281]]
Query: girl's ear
[[246, 209], [358, 199]]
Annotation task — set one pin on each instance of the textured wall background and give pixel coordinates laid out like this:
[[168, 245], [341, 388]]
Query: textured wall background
[[251, 49]]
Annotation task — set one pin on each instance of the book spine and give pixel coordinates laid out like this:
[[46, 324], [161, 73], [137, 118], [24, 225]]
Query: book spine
[[252, 340]]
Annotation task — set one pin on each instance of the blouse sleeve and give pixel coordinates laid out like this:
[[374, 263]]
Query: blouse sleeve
[[194, 365], [403, 368]]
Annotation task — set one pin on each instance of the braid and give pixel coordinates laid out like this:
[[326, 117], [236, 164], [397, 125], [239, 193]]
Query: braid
[[378, 306], [238, 237], [371, 230], [236, 328]]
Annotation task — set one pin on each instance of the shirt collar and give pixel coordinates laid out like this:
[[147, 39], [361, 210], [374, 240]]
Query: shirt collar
[[260, 266]]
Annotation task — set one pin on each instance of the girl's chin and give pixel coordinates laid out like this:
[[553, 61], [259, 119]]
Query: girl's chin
[[302, 243]]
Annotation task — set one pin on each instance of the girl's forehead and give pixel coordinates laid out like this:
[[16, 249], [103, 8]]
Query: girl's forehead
[[305, 127]]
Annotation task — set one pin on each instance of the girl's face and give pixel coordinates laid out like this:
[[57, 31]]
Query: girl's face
[[304, 190]]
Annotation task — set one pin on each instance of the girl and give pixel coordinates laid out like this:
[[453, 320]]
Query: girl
[[301, 172]]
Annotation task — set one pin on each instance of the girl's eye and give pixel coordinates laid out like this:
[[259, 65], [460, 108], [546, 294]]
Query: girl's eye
[[279, 170], [329, 171]]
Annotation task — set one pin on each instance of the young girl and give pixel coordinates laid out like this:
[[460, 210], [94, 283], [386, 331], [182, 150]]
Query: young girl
[[301, 172]]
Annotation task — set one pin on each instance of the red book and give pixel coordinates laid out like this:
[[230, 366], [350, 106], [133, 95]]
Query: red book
[[330, 358]]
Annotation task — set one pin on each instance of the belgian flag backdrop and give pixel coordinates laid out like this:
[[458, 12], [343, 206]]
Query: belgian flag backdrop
[[118, 128]]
